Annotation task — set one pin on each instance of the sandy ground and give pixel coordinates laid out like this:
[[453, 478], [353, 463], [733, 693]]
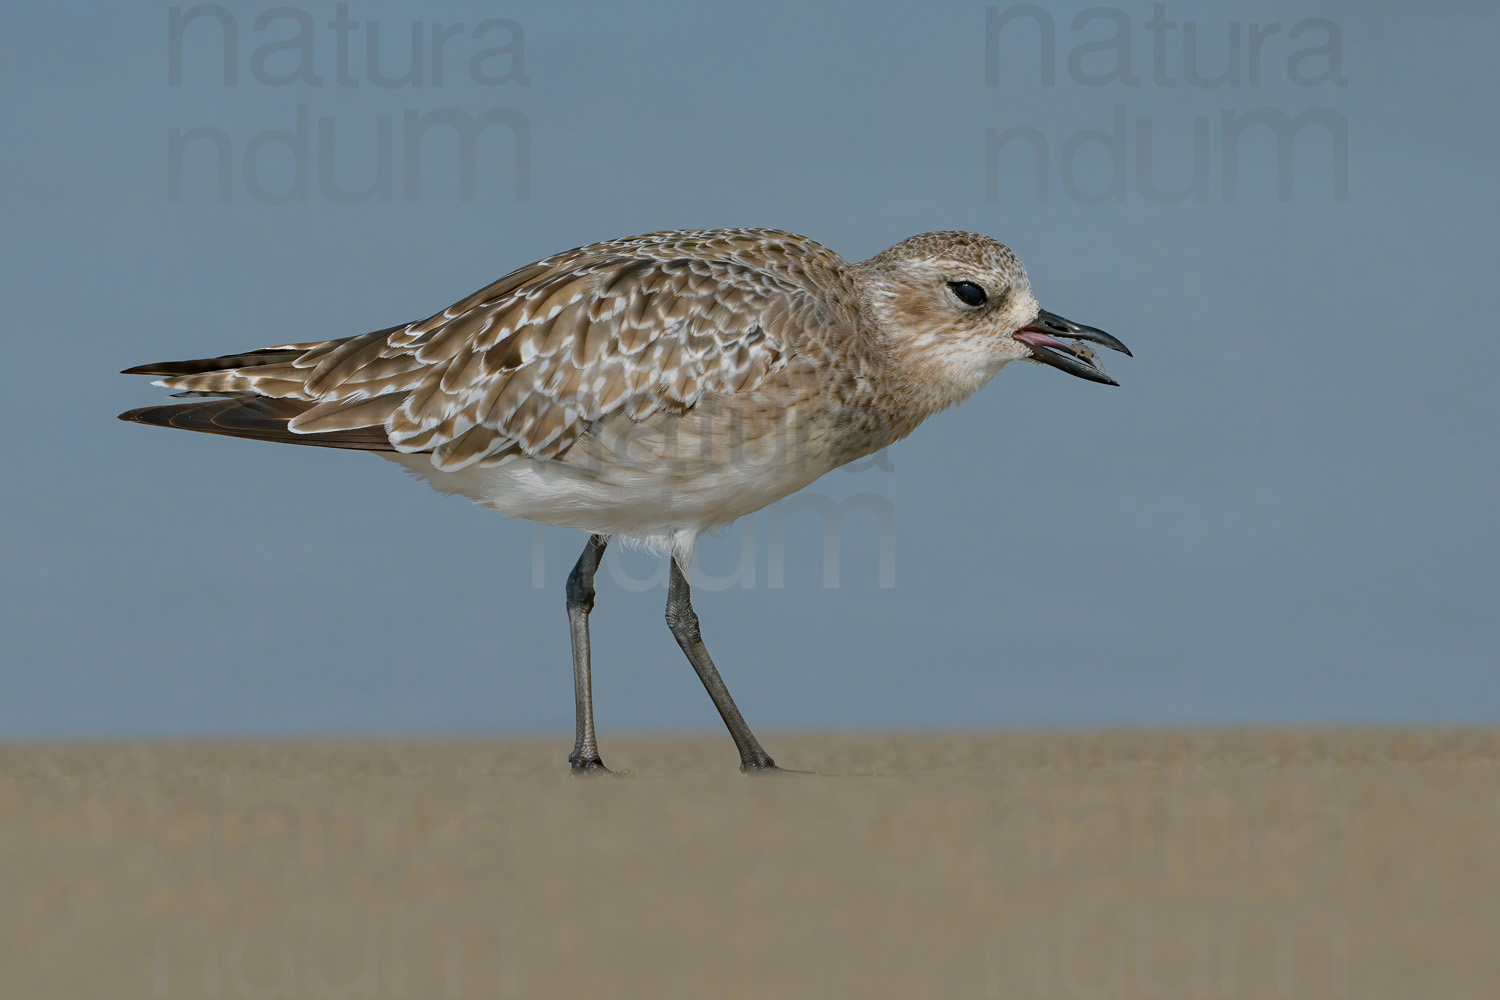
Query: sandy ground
[[1292, 864]]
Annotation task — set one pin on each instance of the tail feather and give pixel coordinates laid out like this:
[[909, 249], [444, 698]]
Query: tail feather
[[279, 354], [260, 406], [199, 366], [258, 417]]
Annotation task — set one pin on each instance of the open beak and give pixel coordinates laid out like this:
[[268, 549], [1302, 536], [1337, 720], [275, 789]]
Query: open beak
[[1042, 334]]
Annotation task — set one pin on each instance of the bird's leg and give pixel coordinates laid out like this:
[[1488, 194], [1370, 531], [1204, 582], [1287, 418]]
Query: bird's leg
[[585, 755], [683, 622]]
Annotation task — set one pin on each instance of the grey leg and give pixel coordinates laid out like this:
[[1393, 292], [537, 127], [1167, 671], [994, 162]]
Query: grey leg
[[683, 622], [585, 755]]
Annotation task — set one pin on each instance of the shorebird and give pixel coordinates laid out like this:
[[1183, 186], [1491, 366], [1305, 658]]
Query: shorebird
[[650, 389]]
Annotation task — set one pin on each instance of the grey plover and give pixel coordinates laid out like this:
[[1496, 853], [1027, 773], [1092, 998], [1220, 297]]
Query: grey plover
[[651, 388]]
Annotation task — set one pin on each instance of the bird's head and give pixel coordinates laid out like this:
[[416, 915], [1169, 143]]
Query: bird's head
[[958, 307]]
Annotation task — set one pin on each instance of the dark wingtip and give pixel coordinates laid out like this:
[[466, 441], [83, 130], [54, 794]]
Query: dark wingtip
[[258, 418], [143, 415]]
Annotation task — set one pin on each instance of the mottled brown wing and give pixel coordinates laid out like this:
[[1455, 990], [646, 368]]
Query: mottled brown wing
[[526, 364]]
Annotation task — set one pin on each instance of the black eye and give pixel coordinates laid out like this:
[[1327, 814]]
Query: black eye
[[968, 293]]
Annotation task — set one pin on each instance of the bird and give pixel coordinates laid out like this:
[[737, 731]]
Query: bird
[[650, 389]]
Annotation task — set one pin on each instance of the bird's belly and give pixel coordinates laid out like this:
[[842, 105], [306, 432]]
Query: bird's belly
[[667, 475], [640, 503]]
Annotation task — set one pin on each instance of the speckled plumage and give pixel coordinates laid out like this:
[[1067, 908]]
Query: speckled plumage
[[653, 386]]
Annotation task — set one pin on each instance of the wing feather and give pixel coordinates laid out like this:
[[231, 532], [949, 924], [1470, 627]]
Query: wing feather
[[525, 365]]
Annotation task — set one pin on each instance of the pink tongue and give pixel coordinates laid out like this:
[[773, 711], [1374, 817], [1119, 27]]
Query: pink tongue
[[1037, 339]]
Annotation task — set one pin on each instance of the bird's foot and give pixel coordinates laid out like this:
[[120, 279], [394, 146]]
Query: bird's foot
[[772, 771], [587, 764], [761, 764]]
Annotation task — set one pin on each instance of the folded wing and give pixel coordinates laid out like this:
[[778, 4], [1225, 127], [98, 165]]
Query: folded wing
[[525, 365]]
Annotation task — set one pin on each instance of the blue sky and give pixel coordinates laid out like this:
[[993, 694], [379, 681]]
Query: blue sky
[[1283, 516]]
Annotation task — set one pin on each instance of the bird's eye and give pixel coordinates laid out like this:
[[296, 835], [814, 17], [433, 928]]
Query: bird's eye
[[968, 293]]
